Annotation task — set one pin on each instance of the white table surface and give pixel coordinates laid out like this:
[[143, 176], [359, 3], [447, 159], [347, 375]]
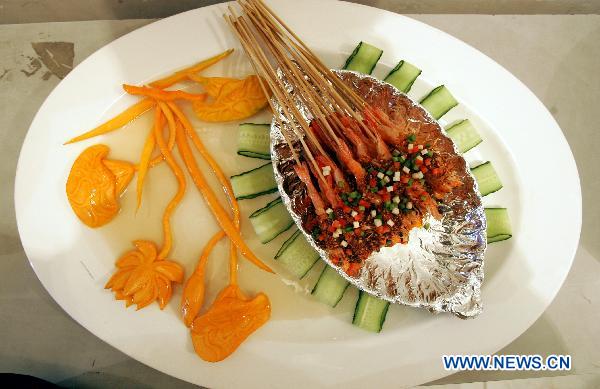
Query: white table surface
[[558, 57]]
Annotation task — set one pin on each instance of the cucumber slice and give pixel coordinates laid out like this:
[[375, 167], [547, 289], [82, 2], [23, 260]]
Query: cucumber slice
[[254, 140], [364, 58], [370, 312], [254, 183], [271, 220], [297, 255], [498, 224], [403, 76], [330, 287], [487, 178], [439, 101], [464, 135]]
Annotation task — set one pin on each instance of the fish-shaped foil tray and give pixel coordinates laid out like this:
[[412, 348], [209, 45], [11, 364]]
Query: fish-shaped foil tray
[[441, 267]]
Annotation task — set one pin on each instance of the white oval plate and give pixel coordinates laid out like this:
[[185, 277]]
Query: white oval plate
[[305, 343]]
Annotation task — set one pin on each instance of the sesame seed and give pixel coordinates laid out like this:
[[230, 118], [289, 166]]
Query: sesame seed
[[409, 205], [356, 224], [373, 213], [410, 146], [326, 173], [406, 170], [328, 210], [354, 213], [378, 222], [396, 211], [344, 243], [380, 175], [386, 179], [390, 223], [424, 151], [390, 188], [420, 147], [396, 199]]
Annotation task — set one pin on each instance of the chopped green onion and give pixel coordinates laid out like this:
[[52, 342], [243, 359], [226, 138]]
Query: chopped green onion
[[410, 182], [361, 208], [411, 138], [340, 184]]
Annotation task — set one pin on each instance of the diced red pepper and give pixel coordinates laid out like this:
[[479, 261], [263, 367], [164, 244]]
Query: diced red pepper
[[404, 179], [364, 203], [397, 165], [386, 196], [346, 209], [418, 161], [424, 169], [436, 171], [427, 161], [331, 228], [358, 217], [382, 229], [336, 224], [353, 268], [372, 182]]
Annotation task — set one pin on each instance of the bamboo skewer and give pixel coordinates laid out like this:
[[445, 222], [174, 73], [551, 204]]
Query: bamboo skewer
[[279, 57]]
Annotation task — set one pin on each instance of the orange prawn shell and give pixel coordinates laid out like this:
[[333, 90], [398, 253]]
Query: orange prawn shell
[[92, 187]]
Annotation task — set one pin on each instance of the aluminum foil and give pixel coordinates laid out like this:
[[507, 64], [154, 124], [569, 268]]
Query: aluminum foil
[[441, 267]]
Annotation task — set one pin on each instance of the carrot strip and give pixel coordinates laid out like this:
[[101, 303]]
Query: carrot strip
[[193, 291], [145, 158], [118, 121], [213, 203], [189, 130], [178, 172], [222, 179], [163, 95], [182, 74], [160, 158]]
